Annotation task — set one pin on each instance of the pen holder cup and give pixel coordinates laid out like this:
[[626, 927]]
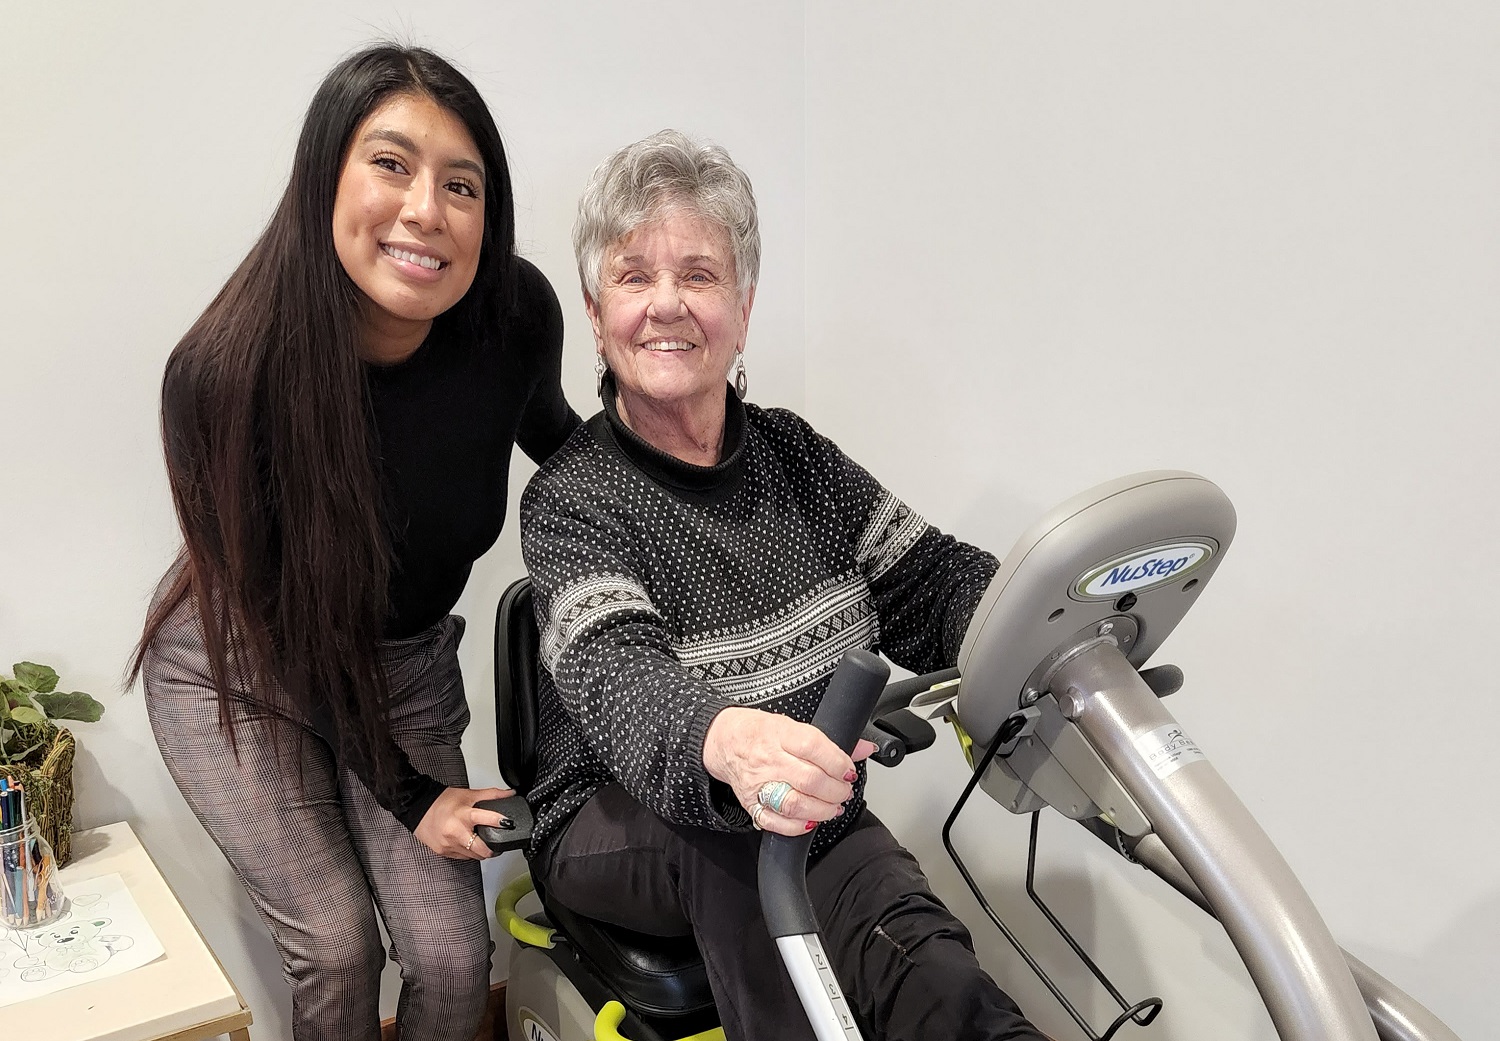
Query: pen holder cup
[[30, 894]]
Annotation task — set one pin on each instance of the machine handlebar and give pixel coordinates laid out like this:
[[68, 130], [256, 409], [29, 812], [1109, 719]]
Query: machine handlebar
[[842, 715]]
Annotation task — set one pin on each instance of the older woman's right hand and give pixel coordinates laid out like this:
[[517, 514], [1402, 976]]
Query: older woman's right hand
[[746, 748]]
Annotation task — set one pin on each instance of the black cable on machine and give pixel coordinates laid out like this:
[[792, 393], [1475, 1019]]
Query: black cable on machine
[[1142, 1012]]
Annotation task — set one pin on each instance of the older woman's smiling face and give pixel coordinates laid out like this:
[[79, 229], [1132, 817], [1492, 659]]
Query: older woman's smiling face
[[670, 318]]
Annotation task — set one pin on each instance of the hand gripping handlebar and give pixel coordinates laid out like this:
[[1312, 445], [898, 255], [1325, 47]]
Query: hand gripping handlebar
[[842, 715]]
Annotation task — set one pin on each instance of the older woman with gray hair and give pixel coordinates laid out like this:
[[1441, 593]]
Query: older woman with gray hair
[[700, 565]]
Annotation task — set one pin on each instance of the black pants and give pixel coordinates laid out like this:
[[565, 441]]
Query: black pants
[[906, 965]]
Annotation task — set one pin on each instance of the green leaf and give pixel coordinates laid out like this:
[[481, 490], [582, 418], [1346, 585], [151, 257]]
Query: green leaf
[[12, 694], [76, 705], [40, 678], [26, 714], [23, 699]]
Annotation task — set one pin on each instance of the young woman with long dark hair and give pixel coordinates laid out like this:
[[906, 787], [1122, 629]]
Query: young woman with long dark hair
[[338, 427]]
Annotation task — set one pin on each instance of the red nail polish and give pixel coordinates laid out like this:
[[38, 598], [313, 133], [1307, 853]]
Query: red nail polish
[[851, 776], [810, 825]]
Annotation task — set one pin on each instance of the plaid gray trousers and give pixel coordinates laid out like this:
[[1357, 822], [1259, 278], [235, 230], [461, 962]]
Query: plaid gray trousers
[[318, 855]]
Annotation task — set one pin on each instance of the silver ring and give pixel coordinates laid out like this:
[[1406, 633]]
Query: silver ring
[[773, 794], [755, 812], [470, 844]]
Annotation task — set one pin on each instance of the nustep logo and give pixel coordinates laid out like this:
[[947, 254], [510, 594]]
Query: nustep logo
[[1142, 569], [532, 1030]]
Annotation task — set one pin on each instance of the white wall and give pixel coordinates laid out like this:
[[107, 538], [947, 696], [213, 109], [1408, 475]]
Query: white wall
[[1044, 245], [145, 146], [1050, 244]]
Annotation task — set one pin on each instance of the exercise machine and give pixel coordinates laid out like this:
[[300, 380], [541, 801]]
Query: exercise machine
[[1053, 707]]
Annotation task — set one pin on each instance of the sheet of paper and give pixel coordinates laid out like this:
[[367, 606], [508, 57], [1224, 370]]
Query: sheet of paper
[[101, 934]]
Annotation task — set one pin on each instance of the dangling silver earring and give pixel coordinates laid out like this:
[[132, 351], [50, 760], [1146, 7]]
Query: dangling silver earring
[[599, 370], [739, 375]]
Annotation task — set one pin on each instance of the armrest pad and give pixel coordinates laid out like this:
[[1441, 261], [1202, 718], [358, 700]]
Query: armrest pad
[[518, 813]]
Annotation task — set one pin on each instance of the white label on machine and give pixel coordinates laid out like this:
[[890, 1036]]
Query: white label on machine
[[1167, 749], [532, 1030], [1142, 569]]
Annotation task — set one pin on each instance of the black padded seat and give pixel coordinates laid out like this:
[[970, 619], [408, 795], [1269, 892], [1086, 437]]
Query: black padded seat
[[656, 975], [652, 975]]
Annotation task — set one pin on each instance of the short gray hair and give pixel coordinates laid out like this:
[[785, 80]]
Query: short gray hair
[[656, 176]]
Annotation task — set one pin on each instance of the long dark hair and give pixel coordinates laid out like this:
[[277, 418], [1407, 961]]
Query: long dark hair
[[269, 447]]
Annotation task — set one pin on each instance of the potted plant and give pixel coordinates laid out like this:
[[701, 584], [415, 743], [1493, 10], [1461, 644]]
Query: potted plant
[[36, 752]]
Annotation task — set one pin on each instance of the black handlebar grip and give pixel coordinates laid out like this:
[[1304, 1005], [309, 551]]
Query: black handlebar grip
[[842, 715], [850, 697]]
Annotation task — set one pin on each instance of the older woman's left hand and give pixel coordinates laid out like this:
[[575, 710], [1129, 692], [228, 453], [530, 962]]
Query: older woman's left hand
[[747, 748]]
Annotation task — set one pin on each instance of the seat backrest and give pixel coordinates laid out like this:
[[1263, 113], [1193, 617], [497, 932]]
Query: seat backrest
[[516, 642]]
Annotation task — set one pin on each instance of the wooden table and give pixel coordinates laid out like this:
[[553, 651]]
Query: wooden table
[[185, 995]]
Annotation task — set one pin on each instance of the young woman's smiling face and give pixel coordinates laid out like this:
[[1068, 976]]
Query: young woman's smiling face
[[408, 220], [670, 317]]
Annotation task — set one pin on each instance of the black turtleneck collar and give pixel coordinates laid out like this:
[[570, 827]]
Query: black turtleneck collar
[[687, 481]]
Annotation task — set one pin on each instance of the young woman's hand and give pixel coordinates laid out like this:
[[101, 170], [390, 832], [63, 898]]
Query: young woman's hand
[[447, 828]]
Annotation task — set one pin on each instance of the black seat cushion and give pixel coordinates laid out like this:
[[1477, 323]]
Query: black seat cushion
[[653, 975]]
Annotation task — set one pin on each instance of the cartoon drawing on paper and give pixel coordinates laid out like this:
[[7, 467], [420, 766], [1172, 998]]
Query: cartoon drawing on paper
[[71, 947], [84, 943]]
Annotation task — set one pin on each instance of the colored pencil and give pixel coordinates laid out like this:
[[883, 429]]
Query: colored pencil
[[9, 858], [28, 882]]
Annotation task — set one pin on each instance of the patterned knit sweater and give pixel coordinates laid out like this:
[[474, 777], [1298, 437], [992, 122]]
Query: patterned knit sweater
[[666, 592]]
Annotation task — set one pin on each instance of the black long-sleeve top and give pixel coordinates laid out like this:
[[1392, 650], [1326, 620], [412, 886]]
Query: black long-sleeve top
[[666, 592], [445, 420]]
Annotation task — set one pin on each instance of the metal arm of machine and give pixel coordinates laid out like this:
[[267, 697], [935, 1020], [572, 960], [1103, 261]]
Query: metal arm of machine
[[1051, 764], [1296, 965], [1397, 1015]]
